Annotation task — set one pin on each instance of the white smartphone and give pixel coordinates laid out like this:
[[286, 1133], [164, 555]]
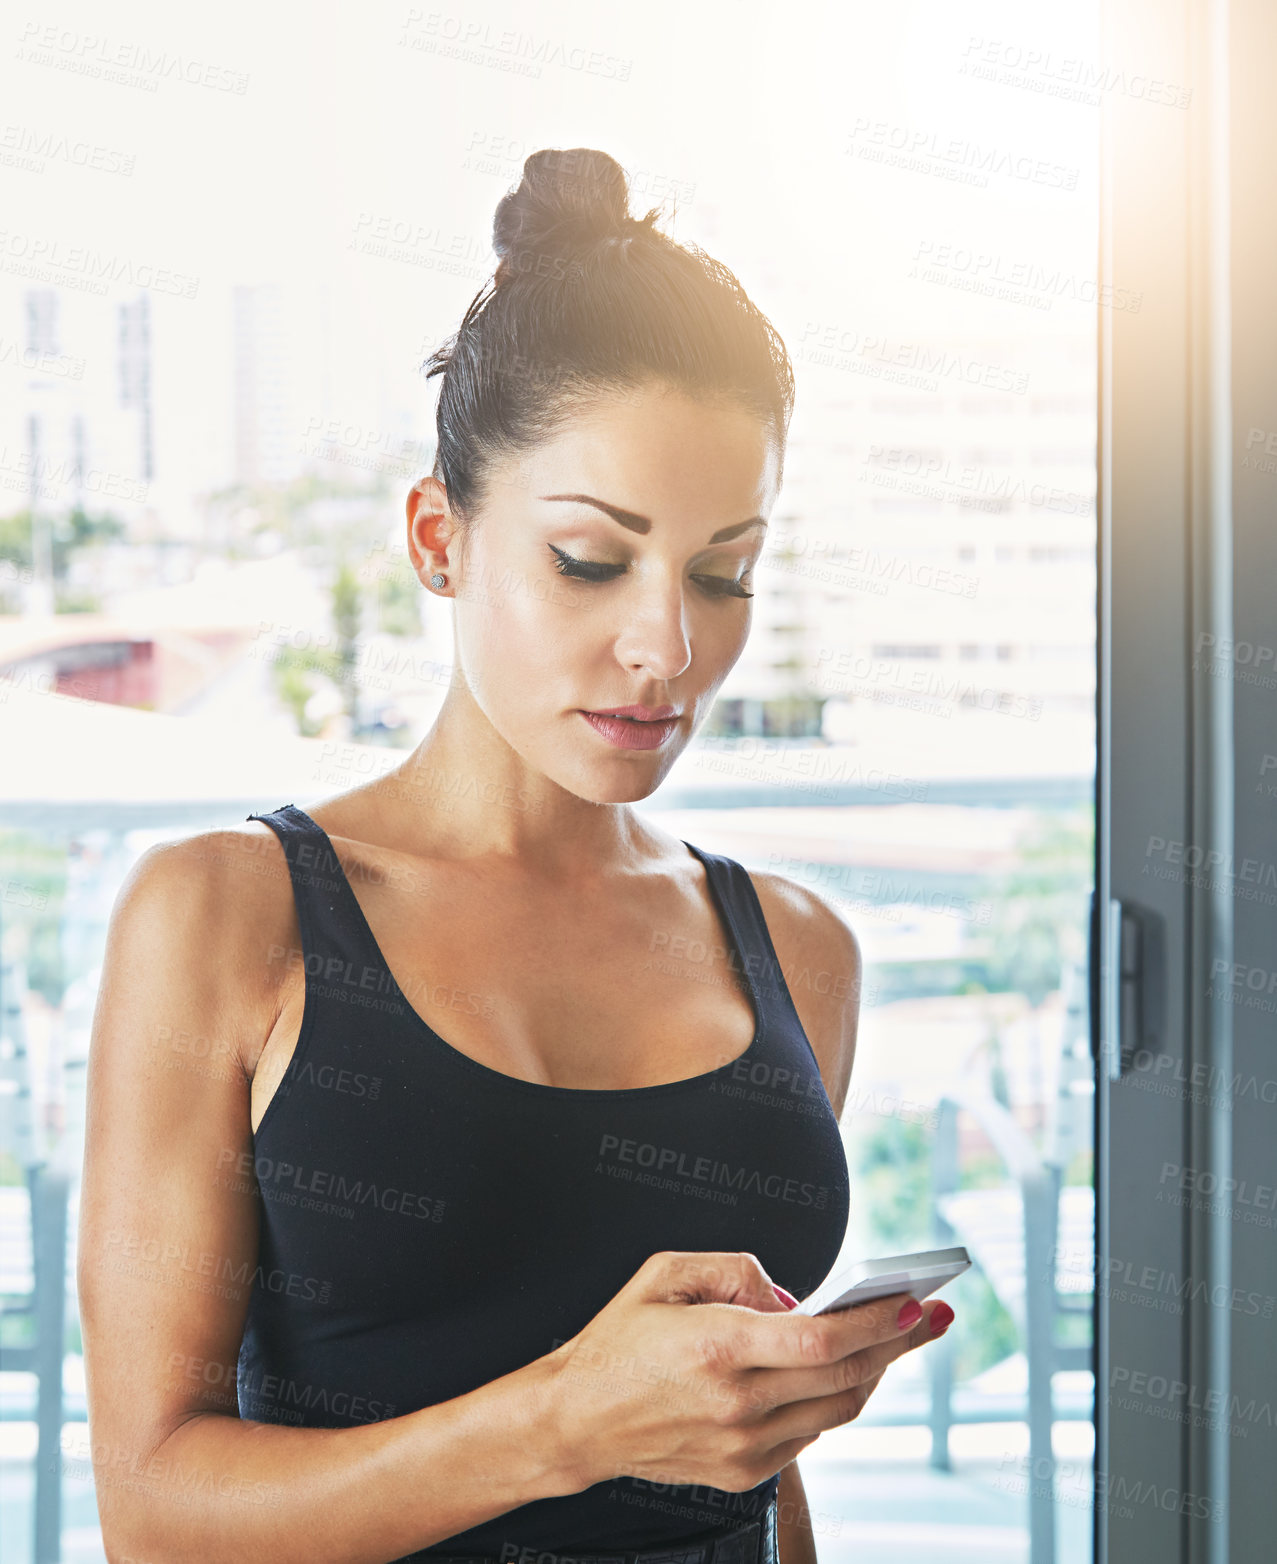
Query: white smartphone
[[861, 1281]]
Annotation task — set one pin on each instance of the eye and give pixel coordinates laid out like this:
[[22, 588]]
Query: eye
[[722, 586], [583, 569], [591, 570]]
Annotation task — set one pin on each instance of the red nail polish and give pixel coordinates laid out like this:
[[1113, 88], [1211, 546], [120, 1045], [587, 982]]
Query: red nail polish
[[787, 1298], [941, 1319], [909, 1315]]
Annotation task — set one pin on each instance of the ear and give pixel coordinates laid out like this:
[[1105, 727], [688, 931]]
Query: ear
[[432, 531]]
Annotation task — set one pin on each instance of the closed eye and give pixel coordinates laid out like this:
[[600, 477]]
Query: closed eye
[[584, 569], [590, 570], [722, 586]]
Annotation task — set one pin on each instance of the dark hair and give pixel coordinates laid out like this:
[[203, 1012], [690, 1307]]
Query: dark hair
[[587, 300]]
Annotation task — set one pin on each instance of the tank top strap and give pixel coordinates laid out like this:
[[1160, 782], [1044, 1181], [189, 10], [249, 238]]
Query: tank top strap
[[337, 944], [755, 955]]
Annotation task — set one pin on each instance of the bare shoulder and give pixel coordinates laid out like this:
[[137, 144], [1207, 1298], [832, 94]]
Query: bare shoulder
[[215, 911], [812, 926], [820, 960], [231, 881]]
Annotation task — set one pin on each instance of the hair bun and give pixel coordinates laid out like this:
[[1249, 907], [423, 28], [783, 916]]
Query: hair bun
[[571, 198]]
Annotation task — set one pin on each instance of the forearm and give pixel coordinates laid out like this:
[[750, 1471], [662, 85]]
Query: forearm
[[794, 1534], [235, 1492]]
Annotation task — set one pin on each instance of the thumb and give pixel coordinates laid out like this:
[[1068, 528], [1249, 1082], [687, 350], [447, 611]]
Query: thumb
[[712, 1276]]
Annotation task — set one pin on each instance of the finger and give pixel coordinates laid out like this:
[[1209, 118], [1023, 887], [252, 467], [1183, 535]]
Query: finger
[[801, 1422], [820, 1388], [792, 1446], [791, 1341], [710, 1276], [937, 1318]]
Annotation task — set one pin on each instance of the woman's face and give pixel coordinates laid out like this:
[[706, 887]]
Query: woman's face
[[604, 571]]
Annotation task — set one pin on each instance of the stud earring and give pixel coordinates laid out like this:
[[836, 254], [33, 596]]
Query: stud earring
[[438, 581]]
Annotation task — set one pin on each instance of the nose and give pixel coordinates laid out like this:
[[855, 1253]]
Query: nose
[[653, 638]]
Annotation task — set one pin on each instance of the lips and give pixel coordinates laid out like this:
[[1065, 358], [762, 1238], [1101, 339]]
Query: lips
[[639, 713], [634, 727]]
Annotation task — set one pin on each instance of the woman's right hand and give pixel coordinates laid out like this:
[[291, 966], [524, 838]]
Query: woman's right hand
[[696, 1372]]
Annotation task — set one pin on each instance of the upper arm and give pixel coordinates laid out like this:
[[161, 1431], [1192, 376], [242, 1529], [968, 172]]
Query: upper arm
[[168, 1218], [820, 960]]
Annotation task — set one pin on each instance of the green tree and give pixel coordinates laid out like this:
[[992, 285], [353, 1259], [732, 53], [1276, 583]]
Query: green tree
[[1040, 905], [69, 532], [894, 1165], [347, 620], [398, 603], [299, 672], [895, 1182], [296, 672]]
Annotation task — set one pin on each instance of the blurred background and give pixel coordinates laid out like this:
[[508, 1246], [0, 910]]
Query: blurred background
[[229, 239]]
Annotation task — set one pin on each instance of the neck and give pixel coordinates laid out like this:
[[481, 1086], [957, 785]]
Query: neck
[[465, 793]]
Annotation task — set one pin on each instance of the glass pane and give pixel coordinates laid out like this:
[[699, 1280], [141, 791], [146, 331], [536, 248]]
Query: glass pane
[[911, 734], [206, 456]]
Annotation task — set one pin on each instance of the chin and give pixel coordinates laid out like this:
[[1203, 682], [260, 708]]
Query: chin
[[618, 787], [612, 782]]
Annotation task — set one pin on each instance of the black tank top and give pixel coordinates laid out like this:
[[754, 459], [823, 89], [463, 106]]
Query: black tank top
[[429, 1224]]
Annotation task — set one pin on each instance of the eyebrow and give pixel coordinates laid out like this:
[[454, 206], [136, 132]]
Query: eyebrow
[[637, 523]]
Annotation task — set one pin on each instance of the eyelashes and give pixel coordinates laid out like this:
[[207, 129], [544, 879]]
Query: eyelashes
[[584, 569], [589, 570]]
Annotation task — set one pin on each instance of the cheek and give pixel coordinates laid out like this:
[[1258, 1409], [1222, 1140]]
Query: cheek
[[723, 636], [527, 644]]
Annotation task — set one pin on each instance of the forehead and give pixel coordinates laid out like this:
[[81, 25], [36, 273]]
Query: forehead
[[662, 453]]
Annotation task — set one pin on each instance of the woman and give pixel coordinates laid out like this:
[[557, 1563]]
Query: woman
[[457, 1146]]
